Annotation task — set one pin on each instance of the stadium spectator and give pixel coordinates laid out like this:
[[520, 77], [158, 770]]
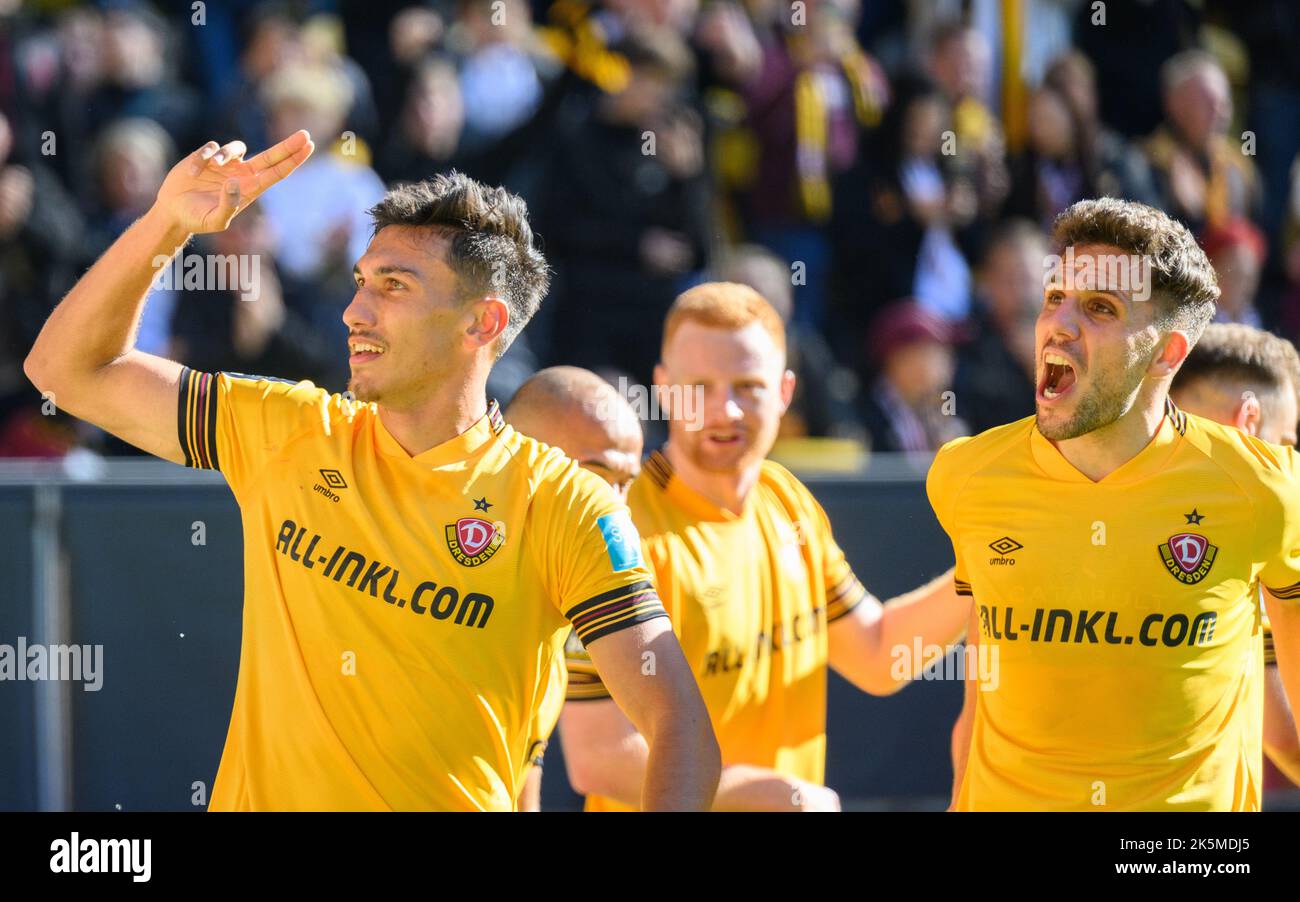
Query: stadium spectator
[[958, 58], [1112, 166], [273, 43], [823, 390], [995, 369], [1237, 250], [428, 134], [906, 217], [139, 78], [131, 159], [905, 409], [627, 206], [814, 91], [254, 319], [40, 233], [1202, 175], [501, 68], [323, 45], [332, 191]]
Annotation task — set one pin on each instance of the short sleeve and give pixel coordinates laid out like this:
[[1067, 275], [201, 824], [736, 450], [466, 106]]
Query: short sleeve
[[844, 591], [941, 487], [591, 557], [232, 423], [1280, 525]]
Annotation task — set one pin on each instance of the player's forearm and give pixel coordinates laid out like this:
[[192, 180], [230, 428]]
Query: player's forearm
[[1281, 743], [961, 732], [683, 766], [879, 655], [530, 797], [96, 322], [744, 787], [609, 769], [931, 615]]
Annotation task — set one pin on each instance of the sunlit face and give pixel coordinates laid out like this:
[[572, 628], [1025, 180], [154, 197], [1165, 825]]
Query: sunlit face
[[1201, 105], [1092, 351], [746, 390], [1051, 130], [406, 322]]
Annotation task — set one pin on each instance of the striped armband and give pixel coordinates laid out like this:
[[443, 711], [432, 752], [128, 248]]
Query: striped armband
[[615, 610], [847, 595], [1287, 593], [196, 419]]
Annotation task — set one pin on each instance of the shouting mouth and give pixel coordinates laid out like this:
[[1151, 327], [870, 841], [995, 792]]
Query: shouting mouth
[[1058, 378]]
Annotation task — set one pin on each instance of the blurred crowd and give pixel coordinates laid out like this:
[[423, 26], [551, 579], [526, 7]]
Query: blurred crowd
[[884, 171]]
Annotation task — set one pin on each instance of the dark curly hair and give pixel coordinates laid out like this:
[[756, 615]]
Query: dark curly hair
[[492, 249]]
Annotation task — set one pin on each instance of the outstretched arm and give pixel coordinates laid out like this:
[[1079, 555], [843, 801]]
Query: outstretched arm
[[85, 356], [873, 645]]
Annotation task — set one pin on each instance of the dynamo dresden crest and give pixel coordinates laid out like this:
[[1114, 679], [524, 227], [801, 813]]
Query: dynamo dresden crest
[[1188, 557], [472, 540]]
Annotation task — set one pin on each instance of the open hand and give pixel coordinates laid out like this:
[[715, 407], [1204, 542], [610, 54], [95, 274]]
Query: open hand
[[207, 189]]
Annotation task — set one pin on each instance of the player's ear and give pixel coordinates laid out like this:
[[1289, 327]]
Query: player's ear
[[1172, 354], [488, 319], [787, 389], [1246, 415]]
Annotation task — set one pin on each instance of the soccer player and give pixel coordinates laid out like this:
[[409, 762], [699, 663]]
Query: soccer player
[[585, 417], [1112, 545], [412, 564], [759, 592], [1248, 378]]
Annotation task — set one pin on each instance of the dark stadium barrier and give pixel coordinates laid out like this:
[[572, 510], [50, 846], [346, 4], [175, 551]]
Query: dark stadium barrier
[[18, 789]]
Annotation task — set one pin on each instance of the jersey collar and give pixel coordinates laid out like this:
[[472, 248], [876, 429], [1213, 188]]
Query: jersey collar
[[1146, 463], [484, 429], [660, 472]]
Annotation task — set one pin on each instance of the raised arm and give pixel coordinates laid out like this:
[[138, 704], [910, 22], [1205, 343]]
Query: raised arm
[[85, 356]]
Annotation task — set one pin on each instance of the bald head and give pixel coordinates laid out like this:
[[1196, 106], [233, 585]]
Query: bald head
[[585, 417]]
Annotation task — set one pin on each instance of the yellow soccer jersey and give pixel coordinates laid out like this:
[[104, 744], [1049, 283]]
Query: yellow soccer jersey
[[402, 614], [750, 598], [1124, 614]]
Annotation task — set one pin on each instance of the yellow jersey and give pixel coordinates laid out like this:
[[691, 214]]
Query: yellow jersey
[[750, 597], [1122, 617], [403, 615]]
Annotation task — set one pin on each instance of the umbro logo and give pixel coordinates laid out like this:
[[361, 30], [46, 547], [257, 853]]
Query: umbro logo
[[1005, 547], [333, 480]]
